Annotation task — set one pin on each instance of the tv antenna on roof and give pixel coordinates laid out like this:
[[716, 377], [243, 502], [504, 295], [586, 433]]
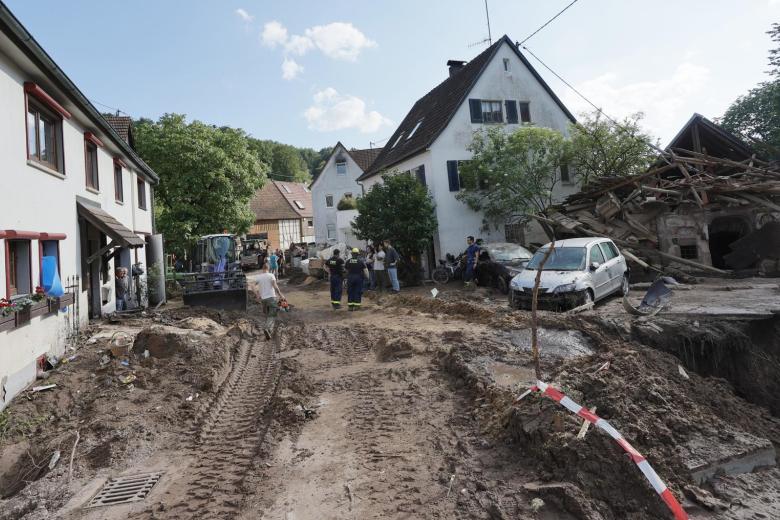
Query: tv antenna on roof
[[489, 39]]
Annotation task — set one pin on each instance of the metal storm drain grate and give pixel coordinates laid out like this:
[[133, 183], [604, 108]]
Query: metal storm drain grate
[[122, 490]]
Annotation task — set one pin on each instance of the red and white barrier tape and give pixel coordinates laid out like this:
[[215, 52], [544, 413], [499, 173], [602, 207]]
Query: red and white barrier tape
[[638, 458]]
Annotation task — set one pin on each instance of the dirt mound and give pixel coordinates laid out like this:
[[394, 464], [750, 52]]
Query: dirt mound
[[394, 349], [202, 324], [677, 423], [162, 341]]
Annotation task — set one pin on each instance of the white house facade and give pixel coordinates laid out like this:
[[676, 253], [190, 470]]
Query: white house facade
[[336, 180], [498, 87], [76, 199]]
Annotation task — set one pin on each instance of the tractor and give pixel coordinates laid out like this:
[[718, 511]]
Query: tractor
[[217, 280]]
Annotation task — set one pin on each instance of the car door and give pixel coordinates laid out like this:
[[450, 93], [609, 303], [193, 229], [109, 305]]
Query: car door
[[615, 265], [598, 272]]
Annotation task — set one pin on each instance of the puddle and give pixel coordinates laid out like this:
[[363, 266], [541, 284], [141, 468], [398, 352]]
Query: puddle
[[506, 376], [557, 343]]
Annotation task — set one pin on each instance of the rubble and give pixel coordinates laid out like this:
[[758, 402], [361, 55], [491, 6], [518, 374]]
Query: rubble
[[685, 211]]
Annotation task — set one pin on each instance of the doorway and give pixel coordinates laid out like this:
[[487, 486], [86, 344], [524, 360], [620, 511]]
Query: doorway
[[723, 232]]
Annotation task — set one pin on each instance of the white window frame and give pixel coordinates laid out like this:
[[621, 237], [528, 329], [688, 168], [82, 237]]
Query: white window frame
[[331, 231], [339, 164]]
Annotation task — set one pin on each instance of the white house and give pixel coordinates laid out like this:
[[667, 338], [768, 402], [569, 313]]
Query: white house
[[71, 189], [497, 87], [336, 180]]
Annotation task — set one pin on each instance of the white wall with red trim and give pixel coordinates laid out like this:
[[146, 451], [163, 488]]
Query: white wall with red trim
[[40, 200]]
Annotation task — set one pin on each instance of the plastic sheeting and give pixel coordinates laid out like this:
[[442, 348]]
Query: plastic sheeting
[[52, 284]]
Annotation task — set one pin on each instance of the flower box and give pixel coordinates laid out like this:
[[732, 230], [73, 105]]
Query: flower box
[[23, 316]]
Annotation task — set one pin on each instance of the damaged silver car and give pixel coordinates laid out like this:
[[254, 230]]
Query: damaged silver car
[[579, 271]]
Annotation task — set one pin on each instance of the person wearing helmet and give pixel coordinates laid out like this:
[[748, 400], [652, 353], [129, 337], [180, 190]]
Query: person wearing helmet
[[357, 273], [335, 266]]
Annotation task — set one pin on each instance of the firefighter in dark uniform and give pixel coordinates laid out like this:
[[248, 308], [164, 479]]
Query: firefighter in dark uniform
[[357, 273], [336, 270]]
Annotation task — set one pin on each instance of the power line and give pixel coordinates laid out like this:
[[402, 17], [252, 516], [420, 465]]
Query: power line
[[547, 23], [599, 110], [118, 111]]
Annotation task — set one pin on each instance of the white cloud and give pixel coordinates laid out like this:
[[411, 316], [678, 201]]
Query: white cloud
[[290, 69], [667, 100], [339, 40], [333, 111], [274, 34], [244, 15], [299, 45]]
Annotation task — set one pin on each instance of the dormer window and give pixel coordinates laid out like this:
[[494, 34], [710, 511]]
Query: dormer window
[[398, 140], [299, 204], [414, 129], [286, 188]]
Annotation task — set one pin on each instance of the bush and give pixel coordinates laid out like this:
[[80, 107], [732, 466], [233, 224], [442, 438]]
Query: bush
[[347, 203]]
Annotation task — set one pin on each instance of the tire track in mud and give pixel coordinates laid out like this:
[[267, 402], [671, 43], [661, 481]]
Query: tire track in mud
[[229, 438]]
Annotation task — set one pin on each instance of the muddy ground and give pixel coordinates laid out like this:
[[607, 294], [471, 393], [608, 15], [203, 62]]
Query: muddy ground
[[402, 410]]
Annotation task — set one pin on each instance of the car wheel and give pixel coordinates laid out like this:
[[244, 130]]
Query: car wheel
[[625, 286], [503, 285], [588, 297]]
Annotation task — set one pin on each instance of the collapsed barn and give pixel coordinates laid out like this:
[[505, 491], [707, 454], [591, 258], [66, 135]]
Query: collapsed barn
[[710, 203]]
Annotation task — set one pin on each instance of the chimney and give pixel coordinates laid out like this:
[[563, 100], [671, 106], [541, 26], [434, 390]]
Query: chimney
[[455, 66]]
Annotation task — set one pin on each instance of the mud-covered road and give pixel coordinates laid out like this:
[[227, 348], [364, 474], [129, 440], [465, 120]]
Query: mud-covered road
[[402, 410]]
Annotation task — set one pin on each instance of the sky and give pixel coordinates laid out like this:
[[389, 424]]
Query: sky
[[311, 73]]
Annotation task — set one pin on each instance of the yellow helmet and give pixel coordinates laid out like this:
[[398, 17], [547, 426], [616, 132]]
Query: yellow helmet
[[355, 250]]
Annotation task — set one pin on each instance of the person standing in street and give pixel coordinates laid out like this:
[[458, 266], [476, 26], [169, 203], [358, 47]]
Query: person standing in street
[[472, 252], [266, 290], [391, 265], [335, 266], [273, 263], [370, 257], [122, 287], [380, 274], [357, 274]]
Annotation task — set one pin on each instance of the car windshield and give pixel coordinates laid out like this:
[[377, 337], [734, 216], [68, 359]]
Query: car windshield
[[561, 259], [508, 253]]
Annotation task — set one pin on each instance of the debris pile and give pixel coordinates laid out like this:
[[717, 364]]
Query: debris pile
[[694, 189]]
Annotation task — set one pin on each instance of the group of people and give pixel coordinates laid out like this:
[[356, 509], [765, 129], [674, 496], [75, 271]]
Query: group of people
[[376, 270]]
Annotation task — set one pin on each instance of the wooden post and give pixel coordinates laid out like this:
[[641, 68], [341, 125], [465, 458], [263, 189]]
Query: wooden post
[[534, 319]]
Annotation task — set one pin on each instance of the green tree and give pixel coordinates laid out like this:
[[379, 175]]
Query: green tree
[[288, 165], [511, 176], [756, 115], [207, 177], [601, 148], [401, 210]]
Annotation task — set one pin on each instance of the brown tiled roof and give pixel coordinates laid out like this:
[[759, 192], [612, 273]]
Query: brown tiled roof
[[435, 109], [363, 158], [272, 202], [298, 193], [121, 124]]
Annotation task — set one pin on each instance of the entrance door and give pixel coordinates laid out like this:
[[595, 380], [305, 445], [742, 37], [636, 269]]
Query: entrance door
[[723, 231]]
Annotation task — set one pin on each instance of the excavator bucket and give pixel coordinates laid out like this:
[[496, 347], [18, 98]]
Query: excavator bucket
[[223, 290]]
